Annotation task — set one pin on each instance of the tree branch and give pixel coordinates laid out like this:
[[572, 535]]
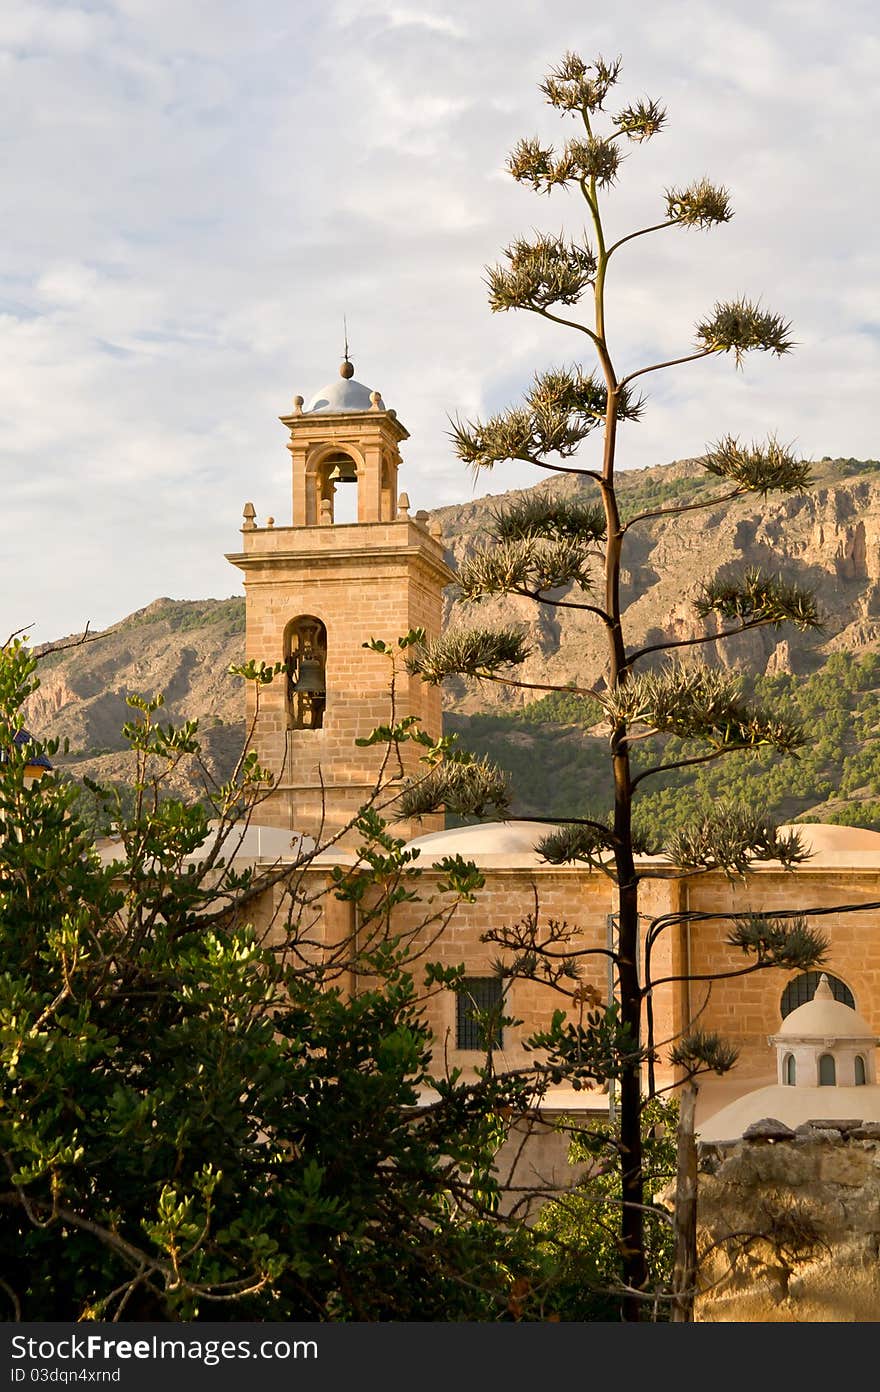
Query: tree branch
[[686, 763], [702, 638], [643, 232], [685, 507], [671, 362]]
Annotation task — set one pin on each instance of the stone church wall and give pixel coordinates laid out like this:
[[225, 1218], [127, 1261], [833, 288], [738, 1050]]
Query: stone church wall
[[745, 1009]]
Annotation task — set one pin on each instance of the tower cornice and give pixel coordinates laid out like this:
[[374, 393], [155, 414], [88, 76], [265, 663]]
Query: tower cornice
[[318, 426], [325, 547]]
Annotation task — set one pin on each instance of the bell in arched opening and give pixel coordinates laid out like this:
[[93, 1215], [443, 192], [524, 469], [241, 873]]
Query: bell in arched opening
[[342, 468], [306, 662], [338, 472]]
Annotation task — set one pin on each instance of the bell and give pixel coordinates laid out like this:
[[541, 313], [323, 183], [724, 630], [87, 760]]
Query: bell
[[343, 472], [310, 681]]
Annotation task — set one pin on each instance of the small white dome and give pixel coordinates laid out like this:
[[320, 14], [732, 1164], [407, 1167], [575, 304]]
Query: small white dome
[[823, 1017], [345, 394]]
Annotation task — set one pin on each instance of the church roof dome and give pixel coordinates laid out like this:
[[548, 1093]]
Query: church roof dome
[[343, 395], [824, 1017], [488, 843]]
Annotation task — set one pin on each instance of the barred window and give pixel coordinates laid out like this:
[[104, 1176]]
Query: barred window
[[803, 987], [479, 1007]]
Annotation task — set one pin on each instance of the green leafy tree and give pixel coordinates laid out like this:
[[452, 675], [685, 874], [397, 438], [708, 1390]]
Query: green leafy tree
[[198, 1117], [581, 1227], [570, 552]]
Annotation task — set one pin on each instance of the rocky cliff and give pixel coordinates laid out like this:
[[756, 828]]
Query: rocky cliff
[[828, 538], [182, 649]]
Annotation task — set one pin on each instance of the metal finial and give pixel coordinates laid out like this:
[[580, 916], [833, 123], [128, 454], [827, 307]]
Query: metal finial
[[346, 369]]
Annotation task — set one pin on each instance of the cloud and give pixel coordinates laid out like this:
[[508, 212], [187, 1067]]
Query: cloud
[[197, 191]]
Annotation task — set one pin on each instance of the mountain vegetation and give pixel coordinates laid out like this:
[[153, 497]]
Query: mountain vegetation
[[555, 752], [185, 647]]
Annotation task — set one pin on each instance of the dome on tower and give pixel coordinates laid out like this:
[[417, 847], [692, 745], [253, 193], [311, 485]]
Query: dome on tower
[[825, 1069], [345, 394], [823, 1017]]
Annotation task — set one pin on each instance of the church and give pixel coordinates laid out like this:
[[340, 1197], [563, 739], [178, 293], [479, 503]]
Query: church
[[316, 591]]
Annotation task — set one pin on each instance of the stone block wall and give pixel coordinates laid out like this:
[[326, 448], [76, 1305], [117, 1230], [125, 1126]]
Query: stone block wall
[[746, 1009], [743, 1009], [789, 1229], [366, 581]]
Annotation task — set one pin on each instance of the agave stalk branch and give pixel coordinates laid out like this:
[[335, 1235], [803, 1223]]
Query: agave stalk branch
[[670, 362], [688, 763], [643, 232], [685, 507]]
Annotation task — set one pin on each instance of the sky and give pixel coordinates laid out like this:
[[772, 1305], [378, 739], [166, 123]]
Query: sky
[[195, 192]]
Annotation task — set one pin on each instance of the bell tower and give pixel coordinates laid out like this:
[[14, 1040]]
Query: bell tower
[[317, 590]]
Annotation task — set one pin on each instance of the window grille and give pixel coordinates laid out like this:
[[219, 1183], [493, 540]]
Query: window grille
[[479, 1007], [803, 988]]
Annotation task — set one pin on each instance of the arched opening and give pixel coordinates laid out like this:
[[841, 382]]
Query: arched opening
[[859, 1071], [338, 489], [305, 657], [802, 989], [789, 1071], [389, 487], [827, 1071]]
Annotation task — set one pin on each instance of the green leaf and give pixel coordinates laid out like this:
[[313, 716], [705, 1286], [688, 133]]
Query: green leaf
[[541, 273], [569, 843], [532, 566], [780, 942], [702, 1051], [641, 120], [541, 515]]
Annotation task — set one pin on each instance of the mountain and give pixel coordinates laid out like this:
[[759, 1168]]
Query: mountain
[[829, 539], [181, 648]]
